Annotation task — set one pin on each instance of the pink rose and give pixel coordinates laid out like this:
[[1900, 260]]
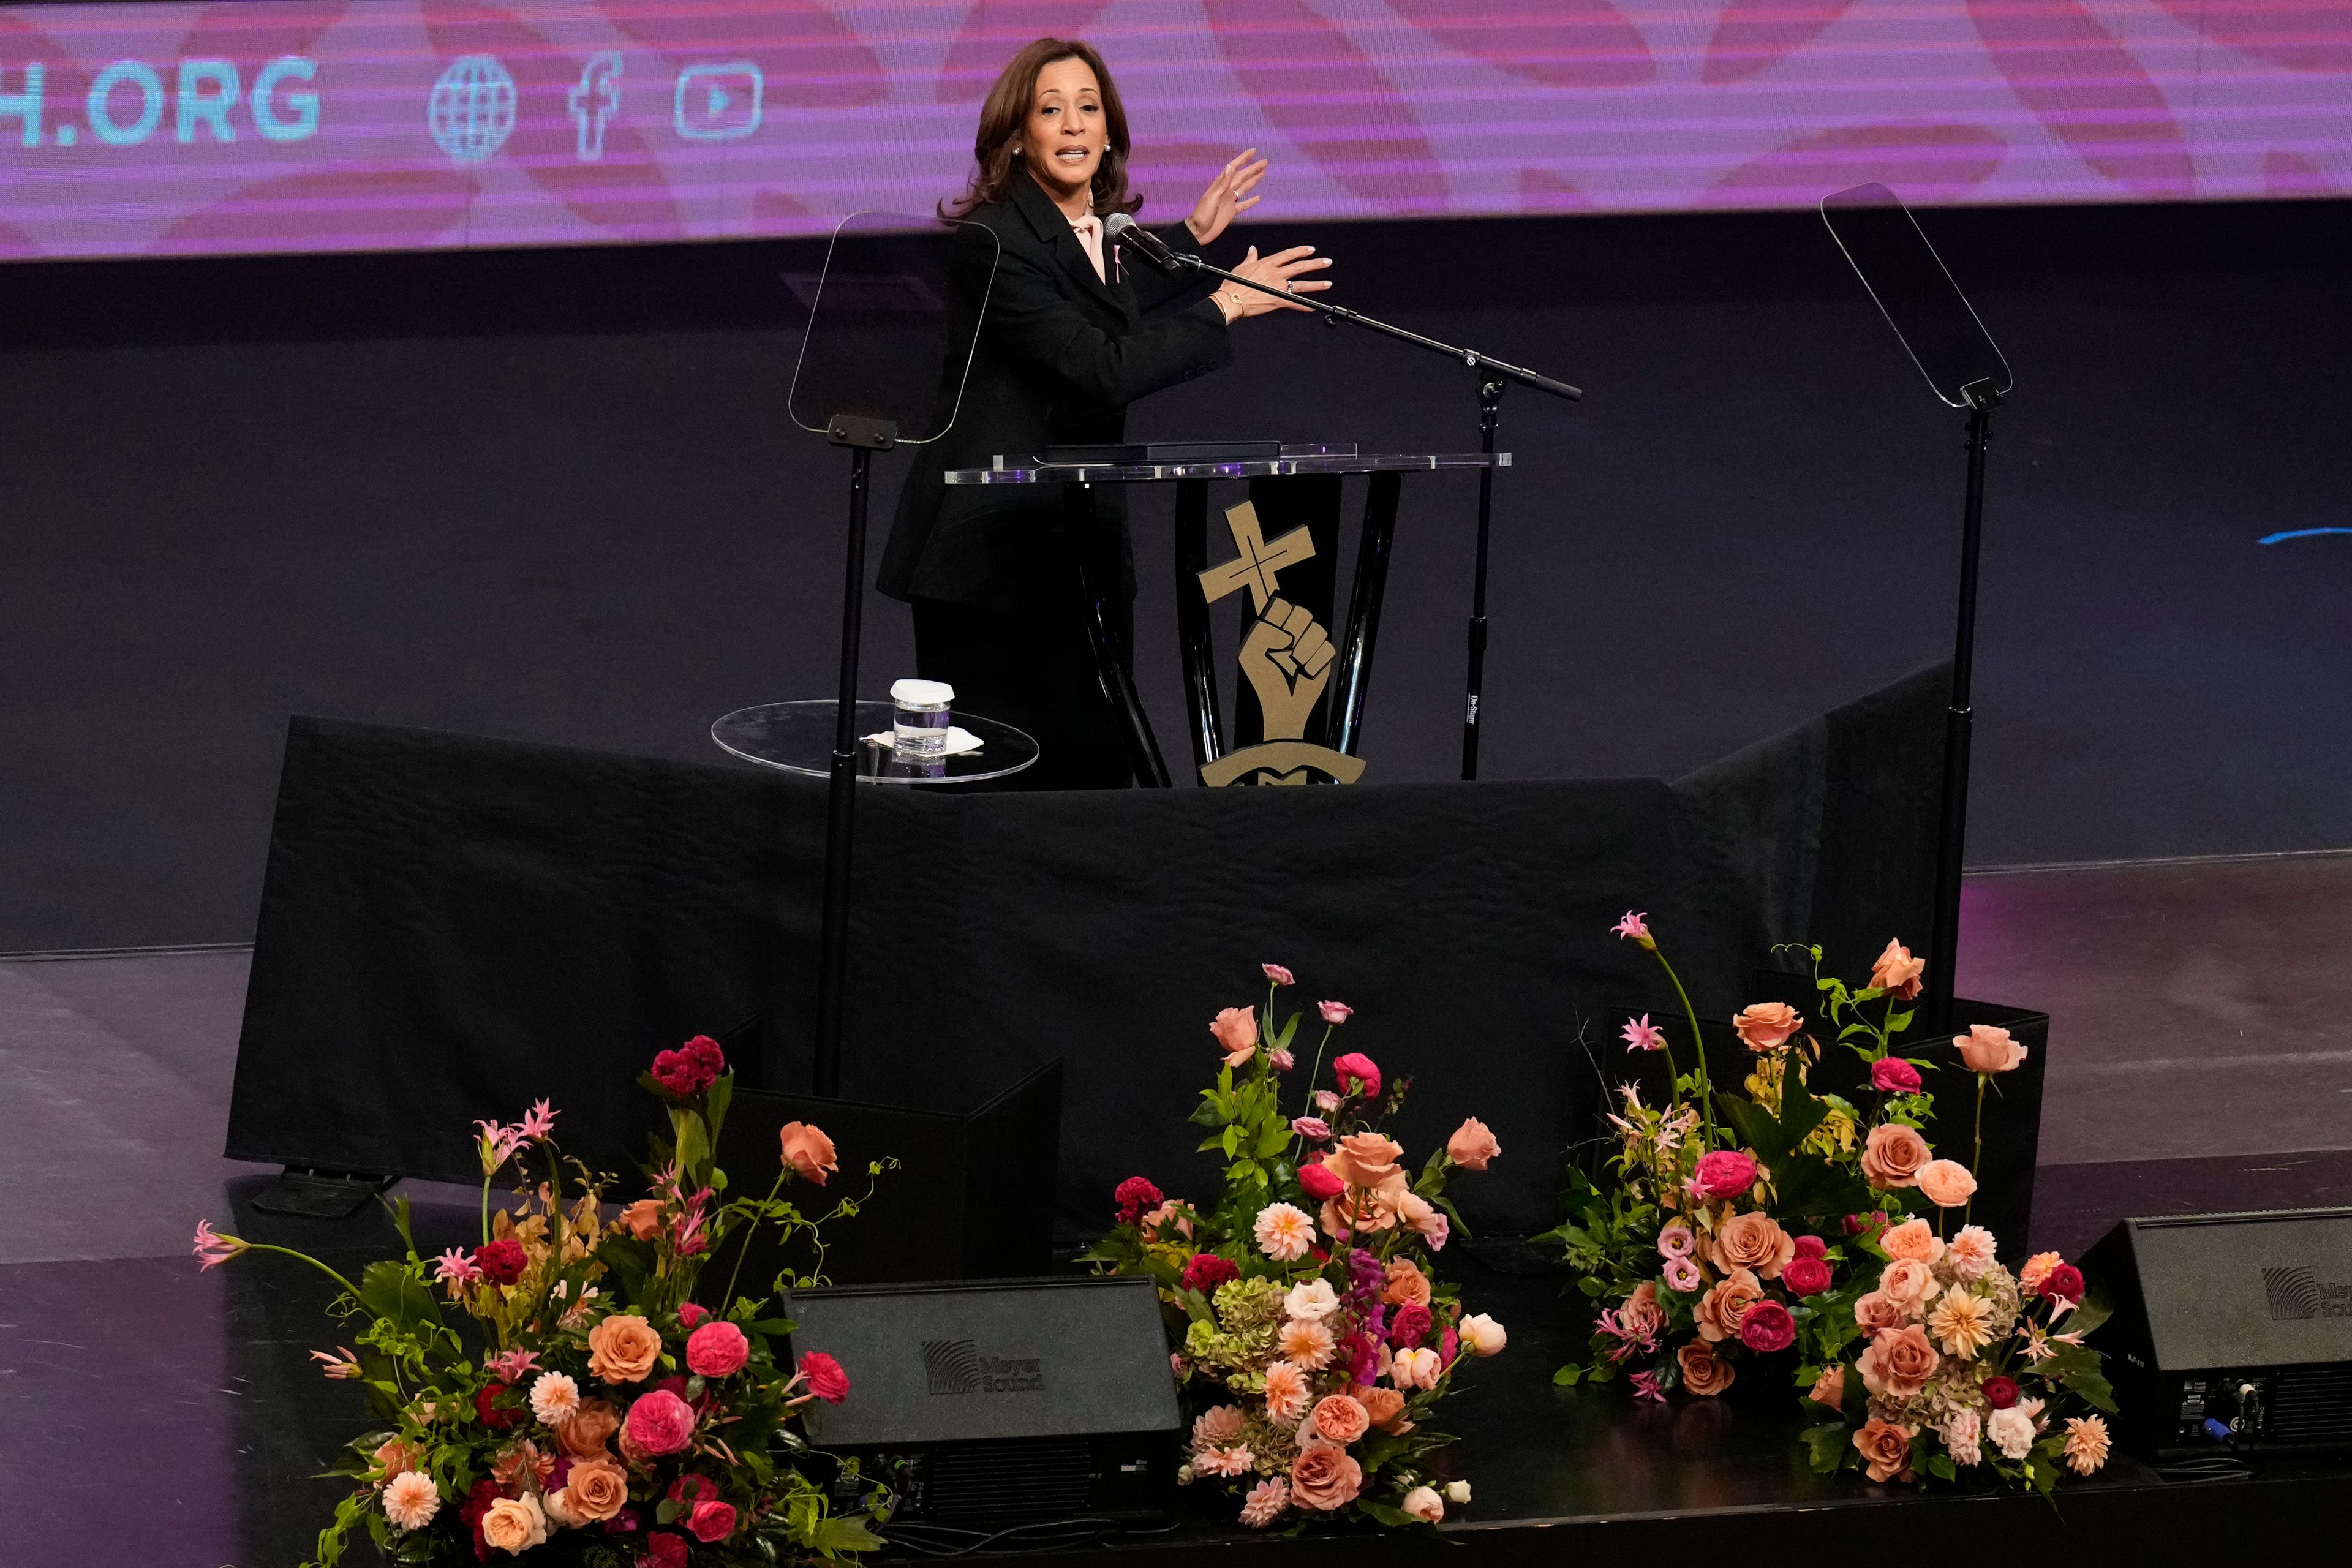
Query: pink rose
[[1725, 1174], [1356, 1066], [1314, 1129], [1892, 1075], [712, 1521], [1318, 1182], [1766, 1026], [1235, 1029], [660, 1422], [1811, 1246], [717, 1350], [1325, 1479], [689, 1313], [1341, 1419], [1805, 1276], [1334, 1011], [1946, 1182], [825, 1378], [1471, 1145], [664, 1549], [1278, 975], [1768, 1326], [809, 1151], [1989, 1051]]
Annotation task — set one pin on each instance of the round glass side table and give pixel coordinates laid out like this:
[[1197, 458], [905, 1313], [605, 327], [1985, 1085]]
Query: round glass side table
[[798, 738]]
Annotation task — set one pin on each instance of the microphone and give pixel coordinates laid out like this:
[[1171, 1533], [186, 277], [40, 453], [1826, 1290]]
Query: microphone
[[1121, 228]]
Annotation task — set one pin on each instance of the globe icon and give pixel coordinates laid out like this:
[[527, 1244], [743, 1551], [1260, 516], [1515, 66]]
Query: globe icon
[[472, 109]]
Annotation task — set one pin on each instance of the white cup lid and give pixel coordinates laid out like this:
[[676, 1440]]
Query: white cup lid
[[926, 693]]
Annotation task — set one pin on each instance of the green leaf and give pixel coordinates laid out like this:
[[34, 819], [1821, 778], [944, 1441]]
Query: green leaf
[[2096, 1309], [1383, 1513], [397, 1295], [1827, 1446], [1230, 1140], [1567, 1376], [846, 1533], [2078, 1367], [1271, 1140], [1808, 1185], [1940, 1466], [693, 1144], [722, 1094]]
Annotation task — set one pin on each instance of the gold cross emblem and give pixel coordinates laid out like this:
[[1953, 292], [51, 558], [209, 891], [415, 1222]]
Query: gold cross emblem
[[1255, 568]]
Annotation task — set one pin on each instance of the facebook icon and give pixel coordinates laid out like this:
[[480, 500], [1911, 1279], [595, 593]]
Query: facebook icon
[[595, 101]]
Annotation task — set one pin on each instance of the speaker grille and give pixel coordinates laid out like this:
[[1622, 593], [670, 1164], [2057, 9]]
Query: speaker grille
[[1048, 1478], [2312, 1404]]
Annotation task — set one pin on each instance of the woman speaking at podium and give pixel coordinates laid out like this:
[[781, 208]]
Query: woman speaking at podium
[[1070, 337]]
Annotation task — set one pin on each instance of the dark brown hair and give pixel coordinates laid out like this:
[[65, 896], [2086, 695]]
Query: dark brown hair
[[1006, 113]]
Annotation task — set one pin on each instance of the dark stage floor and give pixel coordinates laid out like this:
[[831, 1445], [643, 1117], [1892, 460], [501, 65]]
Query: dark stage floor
[[2201, 1060]]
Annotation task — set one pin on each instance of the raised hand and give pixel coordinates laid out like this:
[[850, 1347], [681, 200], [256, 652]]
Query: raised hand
[[1285, 269], [1227, 197], [1287, 657]]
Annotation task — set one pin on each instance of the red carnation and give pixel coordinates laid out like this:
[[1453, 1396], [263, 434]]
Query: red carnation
[[1811, 1246], [1768, 1326], [495, 1420], [1207, 1271], [1411, 1326], [1805, 1275], [502, 1260], [2000, 1393], [2063, 1283], [1892, 1075], [825, 1378], [1136, 1195]]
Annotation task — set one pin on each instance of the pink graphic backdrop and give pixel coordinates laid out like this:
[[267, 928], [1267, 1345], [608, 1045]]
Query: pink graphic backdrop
[[312, 125]]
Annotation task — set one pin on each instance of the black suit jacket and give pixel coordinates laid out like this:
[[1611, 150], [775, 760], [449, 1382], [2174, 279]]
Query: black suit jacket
[[1060, 356]]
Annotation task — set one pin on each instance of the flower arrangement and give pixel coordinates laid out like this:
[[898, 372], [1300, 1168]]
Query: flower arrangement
[[578, 1406], [1795, 1221], [1312, 1334]]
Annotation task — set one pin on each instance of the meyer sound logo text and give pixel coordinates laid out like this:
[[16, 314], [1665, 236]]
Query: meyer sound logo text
[[957, 1366], [2297, 1294]]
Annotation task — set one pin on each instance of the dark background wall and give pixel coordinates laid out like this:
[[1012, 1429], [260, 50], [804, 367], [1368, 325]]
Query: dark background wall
[[553, 496]]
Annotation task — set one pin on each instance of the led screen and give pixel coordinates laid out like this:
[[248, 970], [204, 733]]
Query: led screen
[[309, 125]]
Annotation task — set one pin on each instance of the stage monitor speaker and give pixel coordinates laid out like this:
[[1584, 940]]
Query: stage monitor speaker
[[2232, 1332], [998, 1403], [973, 1197]]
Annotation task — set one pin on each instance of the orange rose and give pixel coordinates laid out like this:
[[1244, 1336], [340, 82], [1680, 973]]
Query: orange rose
[[1879, 1311], [1829, 1388], [396, 1459], [809, 1151], [1908, 1283], [1896, 973], [1766, 1026], [591, 1428], [1911, 1240], [1365, 1160], [642, 1219], [1471, 1145], [623, 1349], [515, 1524], [1236, 1032], [1946, 1182], [1897, 1362], [1341, 1419], [1382, 1405], [1325, 1479], [1892, 1156], [1886, 1450], [1751, 1241], [1988, 1050], [1702, 1373], [595, 1490], [1407, 1286], [1725, 1302]]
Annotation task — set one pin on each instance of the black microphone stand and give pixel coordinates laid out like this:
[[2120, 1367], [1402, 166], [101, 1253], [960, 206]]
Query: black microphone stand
[[1494, 375]]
